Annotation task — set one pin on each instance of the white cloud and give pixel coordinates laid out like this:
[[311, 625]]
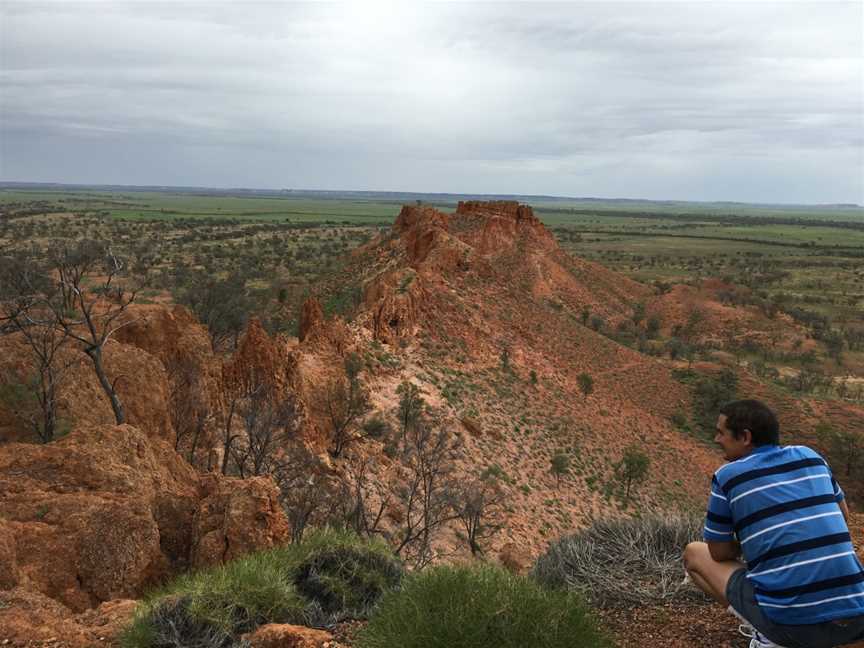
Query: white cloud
[[497, 97]]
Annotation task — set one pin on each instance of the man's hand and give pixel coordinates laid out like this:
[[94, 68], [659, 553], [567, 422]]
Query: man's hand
[[721, 551]]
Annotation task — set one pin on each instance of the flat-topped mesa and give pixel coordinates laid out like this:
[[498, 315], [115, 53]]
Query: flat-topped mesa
[[501, 208], [494, 227]]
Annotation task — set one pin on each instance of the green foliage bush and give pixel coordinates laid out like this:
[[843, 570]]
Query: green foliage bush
[[479, 607], [376, 427], [172, 625], [345, 577], [623, 561], [330, 575]]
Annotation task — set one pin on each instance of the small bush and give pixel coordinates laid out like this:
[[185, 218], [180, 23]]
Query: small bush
[[345, 577], [636, 560], [328, 576], [376, 427], [171, 625], [218, 603], [478, 607]]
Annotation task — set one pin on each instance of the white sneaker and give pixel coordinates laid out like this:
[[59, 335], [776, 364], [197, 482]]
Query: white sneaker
[[757, 639]]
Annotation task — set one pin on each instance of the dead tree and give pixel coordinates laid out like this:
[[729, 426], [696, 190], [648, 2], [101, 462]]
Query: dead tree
[[270, 423], [426, 471], [478, 504], [307, 495], [24, 292], [364, 496], [188, 408], [91, 315], [411, 406], [343, 402]]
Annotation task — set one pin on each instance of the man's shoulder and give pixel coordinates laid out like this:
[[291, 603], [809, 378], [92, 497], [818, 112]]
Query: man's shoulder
[[793, 452], [767, 458]]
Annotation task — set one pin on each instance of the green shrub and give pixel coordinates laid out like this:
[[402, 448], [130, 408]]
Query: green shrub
[[219, 602], [344, 577], [328, 576], [171, 625], [478, 607], [375, 427], [615, 561]]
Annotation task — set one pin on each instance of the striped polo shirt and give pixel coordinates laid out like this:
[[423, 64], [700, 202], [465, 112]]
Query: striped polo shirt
[[781, 504]]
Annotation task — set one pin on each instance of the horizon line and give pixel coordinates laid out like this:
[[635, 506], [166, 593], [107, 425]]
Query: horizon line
[[11, 184]]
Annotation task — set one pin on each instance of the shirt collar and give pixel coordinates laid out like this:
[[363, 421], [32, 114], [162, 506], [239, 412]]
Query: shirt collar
[[765, 448]]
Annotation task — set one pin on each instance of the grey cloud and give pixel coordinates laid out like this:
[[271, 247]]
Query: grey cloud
[[524, 97]]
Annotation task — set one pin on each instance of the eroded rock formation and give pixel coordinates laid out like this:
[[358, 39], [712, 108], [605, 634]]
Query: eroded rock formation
[[108, 511]]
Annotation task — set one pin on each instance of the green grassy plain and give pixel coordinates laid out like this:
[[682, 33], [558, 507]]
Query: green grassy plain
[[808, 257]]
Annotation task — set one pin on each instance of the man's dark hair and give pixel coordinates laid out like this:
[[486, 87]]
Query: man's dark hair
[[755, 416]]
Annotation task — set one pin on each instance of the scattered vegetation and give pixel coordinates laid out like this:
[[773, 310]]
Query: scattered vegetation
[[845, 449], [623, 561], [560, 466], [478, 607], [632, 469], [586, 384]]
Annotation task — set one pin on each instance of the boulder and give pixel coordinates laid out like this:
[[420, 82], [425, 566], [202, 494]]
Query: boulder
[[283, 635]]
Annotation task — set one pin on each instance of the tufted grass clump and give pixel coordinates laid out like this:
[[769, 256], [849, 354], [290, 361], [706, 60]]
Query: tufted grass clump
[[478, 607], [623, 561], [344, 578], [331, 575]]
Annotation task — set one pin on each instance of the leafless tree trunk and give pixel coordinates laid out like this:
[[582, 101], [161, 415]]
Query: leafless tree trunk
[[306, 494], [424, 495], [229, 436], [23, 309], [478, 505], [91, 316], [364, 496], [269, 426], [344, 402], [188, 407]]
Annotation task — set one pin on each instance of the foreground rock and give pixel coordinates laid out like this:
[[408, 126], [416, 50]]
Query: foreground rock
[[29, 619], [107, 511], [283, 635]]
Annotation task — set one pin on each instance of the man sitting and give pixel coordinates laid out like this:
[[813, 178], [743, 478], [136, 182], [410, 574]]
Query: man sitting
[[800, 584]]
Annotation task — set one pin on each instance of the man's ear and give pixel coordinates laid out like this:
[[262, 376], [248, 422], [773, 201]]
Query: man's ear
[[747, 436]]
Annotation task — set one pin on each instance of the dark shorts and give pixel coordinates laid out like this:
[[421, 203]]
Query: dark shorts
[[739, 592]]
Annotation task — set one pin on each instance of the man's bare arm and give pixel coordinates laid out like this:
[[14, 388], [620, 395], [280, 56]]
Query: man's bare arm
[[722, 551]]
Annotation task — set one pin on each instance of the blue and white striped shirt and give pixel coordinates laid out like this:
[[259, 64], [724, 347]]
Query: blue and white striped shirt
[[781, 504]]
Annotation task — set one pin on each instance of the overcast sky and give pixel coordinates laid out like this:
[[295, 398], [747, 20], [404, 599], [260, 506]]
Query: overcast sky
[[685, 100]]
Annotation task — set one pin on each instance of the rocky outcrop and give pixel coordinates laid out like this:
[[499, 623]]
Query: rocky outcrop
[[182, 344], [171, 334], [234, 517], [260, 362], [320, 334], [393, 303], [108, 511], [311, 317]]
